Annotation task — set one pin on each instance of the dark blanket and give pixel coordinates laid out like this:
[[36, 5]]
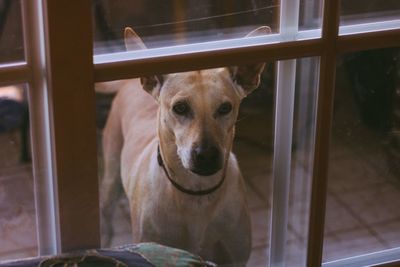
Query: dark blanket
[[139, 255]]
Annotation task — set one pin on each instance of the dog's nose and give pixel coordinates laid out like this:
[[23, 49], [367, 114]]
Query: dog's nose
[[205, 154], [206, 160]]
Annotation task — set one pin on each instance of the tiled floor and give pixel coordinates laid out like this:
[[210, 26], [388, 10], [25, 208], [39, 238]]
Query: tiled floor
[[363, 211], [17, 212]]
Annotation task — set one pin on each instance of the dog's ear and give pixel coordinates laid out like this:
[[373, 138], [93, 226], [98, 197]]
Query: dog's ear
[[132, 40], [151, 84], [248, 76]]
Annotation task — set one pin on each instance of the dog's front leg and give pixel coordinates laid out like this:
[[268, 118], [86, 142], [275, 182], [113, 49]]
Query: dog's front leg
[[111, 182], [236, 242]]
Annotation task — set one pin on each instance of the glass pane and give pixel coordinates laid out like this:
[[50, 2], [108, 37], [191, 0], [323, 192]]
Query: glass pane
[[365, 11], [172, 23], [17, 210], [253, 147], [307, 73], [363, 214], [169, 23], [310, 14], [11, 39]]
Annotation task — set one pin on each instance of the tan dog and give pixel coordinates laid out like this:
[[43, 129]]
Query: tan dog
[[174, 155]]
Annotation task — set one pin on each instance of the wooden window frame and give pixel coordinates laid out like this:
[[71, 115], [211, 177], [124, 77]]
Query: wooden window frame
[[61, 70]]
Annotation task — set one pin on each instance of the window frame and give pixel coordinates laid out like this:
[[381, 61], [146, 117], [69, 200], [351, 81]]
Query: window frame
[[57, 78]]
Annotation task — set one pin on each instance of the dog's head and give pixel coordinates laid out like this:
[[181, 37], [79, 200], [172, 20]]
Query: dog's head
[[198, 109]]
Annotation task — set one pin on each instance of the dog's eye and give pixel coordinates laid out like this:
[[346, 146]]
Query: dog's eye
[[225, 108], [181, 108]]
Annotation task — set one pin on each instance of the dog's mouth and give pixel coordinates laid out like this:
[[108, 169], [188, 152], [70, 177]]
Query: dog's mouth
[[205, 170]]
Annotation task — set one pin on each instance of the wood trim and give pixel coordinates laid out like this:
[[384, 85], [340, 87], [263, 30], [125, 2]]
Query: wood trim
[[370, 40], [285, 89], [323, 131], [268, 52], [203, 60], [69, 47]]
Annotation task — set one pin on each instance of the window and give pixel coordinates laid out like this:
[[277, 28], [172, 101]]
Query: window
[[17, 220], [17, 211], [358, 12], [11, 40], [255, 151], [303, 47], [363, 180]]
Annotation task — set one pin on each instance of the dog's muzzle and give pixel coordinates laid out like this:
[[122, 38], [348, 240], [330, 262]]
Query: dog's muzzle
[[206, 160]]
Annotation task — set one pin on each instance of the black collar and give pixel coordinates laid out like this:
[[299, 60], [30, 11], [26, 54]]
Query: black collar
[[185, 190]]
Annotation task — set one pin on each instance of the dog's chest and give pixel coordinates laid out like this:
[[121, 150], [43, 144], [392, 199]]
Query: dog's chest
[[189, 223]]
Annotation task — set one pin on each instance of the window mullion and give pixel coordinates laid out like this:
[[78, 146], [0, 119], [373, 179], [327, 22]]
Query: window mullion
[[69, 47], [135, 67], [45, 195], [284, 107], [368, 40], [326, 88]]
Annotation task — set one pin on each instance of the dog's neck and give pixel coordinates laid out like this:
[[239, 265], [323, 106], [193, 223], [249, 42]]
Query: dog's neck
[[172, 166], [200, 192]]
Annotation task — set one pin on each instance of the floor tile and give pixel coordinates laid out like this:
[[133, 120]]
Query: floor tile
[[18, 235], [298, 218], [17, 213], [258, 257], [389, 232], [296, 253], [350, 175], [259, 196], [375, 204], [260, 223], [338, 218]]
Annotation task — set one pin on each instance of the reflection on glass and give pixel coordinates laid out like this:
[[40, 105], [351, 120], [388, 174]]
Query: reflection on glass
[[253, 147], [363, 214], [17, 211], [302, 160], [168, 23], [11, 40], [365, 11], [310, 14]]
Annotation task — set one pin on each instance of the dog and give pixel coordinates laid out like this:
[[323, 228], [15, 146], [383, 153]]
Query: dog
[[169, 137]]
